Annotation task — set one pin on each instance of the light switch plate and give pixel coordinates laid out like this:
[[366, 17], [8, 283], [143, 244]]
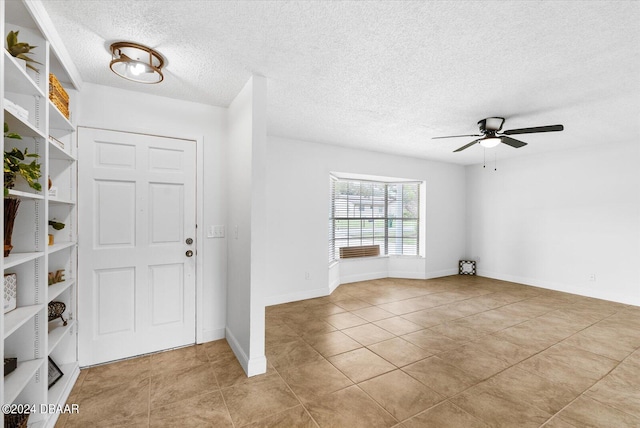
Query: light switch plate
[[217, 231]]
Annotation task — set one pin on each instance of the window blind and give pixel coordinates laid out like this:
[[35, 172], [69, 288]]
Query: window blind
[[365, 213]]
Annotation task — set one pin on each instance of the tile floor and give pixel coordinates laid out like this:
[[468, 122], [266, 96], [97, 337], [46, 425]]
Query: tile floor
[[459, 351]]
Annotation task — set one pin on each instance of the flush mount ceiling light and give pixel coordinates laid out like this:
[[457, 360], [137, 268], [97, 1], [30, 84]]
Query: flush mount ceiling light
[[136, 62]]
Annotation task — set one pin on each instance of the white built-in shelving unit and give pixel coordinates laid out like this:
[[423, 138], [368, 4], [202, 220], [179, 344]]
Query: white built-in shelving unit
[[28, 335]]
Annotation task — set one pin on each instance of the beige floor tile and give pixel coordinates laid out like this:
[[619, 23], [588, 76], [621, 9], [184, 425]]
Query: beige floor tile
[[405, 306], [118, 372], [279, 334], [231, 373], [556, 422], [398, 325], [296, 417], [587, 412], [575, 379], [594, 364], [313, 380], [112, 404], [329, 344], [350, 407], [443, 378], [373, 313], [432, 341], [219, 350], [292, 354], [601, 341], [309, 327], [499, 409], [345, 320], [352, 304], [206, 410], [444, 415], [456, 330], [182, 384], [178, 359], [400, 394], [368, 334], [619, 392], [431, 317], [399, 352], [538, 349], [501, 349], [324, 310], [361, 364], [251, 402], [533, 389], [475, 363]]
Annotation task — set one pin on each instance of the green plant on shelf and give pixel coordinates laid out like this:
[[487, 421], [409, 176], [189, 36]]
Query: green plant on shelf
[[15, 165], [20, 50]]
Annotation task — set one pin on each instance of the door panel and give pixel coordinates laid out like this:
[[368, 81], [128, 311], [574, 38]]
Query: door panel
[[136, 209]]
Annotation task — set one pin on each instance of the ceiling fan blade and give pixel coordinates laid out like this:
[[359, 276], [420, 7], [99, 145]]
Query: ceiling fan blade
[[466, 146], [513, 142], [456, 136], [550, 128]]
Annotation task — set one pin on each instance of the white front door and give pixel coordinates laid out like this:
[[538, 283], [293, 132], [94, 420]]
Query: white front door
[[137, 223]]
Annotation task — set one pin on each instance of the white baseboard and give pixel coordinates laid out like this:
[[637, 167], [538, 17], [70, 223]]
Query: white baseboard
[[441, 273], [211, 335], [242, 357], [294, 297], [603, 294], [251, 367], [332, 286], [257, 366], [406, 274], [363, 277]]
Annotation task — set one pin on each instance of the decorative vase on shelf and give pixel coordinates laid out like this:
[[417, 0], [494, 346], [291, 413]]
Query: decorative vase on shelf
[[10, 211]]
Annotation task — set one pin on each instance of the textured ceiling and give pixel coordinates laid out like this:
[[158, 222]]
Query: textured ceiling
[[387, 75]]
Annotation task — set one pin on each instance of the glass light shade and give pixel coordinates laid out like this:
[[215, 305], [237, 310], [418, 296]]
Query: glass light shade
[[490, 142], [136, 62]]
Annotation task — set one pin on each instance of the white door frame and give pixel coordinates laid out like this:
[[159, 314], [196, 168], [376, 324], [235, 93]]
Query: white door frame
[[200, 236]]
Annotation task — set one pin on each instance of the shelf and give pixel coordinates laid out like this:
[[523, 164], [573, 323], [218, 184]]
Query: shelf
[[16, 259], [16, 78], [16, 318], [57, 120], [60, 246], [57, 152], [70, 373], [58, 288], [25, 195], [19, 126], [57, 332], [46, 131], [61, 201], [15, 381]]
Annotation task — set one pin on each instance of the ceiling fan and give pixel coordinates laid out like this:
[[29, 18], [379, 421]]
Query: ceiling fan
[[489, 128]]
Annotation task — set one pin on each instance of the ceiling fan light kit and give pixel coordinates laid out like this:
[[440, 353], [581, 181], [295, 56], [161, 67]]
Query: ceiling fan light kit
[[489, 129], [136, 62], [490, 142]]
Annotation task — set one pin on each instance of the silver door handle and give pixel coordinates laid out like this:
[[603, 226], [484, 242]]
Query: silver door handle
[[189, 253]]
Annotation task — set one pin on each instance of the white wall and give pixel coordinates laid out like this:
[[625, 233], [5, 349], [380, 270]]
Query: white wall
[[117, 109], [246, 212], [298, 213], [553, 220]]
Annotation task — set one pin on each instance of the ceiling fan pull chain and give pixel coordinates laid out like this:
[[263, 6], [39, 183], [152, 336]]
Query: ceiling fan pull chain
[[484, 160], [495, 161]]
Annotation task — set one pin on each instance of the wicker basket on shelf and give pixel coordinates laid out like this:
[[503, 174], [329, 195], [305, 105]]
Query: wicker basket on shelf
[[16, 420], [58, 95]]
